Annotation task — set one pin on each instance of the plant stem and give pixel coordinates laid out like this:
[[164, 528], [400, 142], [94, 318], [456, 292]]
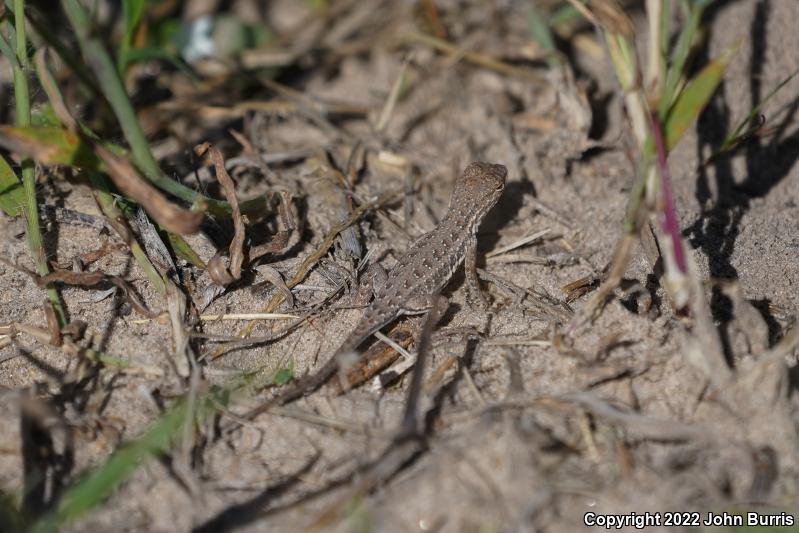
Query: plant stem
[[101, 63], [23, 119], [117, 218], [666, 211]]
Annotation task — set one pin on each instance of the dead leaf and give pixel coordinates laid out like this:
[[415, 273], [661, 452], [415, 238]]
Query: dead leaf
[[130, 183]]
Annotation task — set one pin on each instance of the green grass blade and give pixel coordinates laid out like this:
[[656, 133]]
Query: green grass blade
[[28, 172], [6, 50], [183, 250], [114, 91], [100, 62], [12, 195], [564, 15], [542, 34], [682, 50], [694, 97], [132, 11], [151, 53], [732, 138], [97, 485], [110, 209], [11, 519]]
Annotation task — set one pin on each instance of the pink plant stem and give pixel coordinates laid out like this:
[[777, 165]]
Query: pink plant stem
[[667, 215]]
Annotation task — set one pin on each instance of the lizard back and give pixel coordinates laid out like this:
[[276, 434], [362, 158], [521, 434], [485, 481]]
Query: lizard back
[[422, 271]]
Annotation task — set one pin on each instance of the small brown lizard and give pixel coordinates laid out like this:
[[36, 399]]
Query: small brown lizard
[[410, 287]]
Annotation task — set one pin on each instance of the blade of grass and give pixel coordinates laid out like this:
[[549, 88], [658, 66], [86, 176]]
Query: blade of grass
[[12, 194], [668, 215], [10, 518], [63, 116], [100, 62], [682, 51], [43, 29], [132, 11], [20, 66], [655, 64], [732, 138], [694, 97], [113, 89], [542, 34], [183, 250], [98, 484], [57, 146], [151, 53], [115, 216], [563, 15]]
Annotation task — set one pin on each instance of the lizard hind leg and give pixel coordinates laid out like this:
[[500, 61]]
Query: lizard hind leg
[[417, 305], [371, 281]]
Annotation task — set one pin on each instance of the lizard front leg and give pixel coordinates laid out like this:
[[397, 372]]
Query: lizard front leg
[[472, 283]]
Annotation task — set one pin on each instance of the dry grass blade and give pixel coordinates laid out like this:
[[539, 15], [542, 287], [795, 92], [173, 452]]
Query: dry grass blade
[[642, 425], [279, 240], [130, 183], [52, 324], [176, 304], [51, 89], [703, 345], [91, 279], [518, 243], [476, 58], [621, 258], [219, 273], [70, 347], [393, 97], [611, 16], [375, 360], [409, 420], [273, 276]]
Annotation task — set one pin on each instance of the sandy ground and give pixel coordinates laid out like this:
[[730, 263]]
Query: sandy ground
[[525, 433]]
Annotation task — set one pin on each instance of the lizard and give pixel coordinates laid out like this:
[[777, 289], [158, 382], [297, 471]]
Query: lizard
[[421, 273]]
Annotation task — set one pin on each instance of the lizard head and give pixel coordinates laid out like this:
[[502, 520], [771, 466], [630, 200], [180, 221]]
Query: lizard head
[[478, 189]]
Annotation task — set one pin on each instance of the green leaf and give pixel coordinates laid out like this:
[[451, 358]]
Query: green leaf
[[283, 376], [152, 53], [564, 15], [50, 146], [183, 250], [12, 195], [43, 115], [694, 97]]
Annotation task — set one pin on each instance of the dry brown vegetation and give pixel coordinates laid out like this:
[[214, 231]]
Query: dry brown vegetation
[[209, 227]]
